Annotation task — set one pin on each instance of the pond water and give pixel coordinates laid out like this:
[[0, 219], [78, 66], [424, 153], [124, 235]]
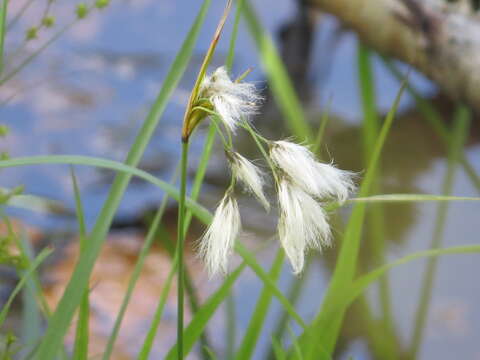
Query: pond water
[[88, 93]]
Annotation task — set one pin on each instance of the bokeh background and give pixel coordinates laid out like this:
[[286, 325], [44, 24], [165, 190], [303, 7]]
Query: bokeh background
[[88, 93]]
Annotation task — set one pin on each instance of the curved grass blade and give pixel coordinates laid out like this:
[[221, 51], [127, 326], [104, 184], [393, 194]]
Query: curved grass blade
[[363, 282], [36, 203], [199, 211]]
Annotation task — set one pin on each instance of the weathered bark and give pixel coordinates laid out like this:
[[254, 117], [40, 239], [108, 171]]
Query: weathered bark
[[439, 39]]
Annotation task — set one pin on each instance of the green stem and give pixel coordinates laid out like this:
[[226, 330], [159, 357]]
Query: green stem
[[149, 339], [180, 245], [34, 55], [321, 131], [256, 137], [231, 325], [3, 16], [19, 14]]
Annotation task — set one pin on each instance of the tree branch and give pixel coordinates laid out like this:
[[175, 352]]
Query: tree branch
[[439, 39]]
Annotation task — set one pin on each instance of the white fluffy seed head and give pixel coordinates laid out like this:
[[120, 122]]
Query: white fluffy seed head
[[303, 223], [316, 178], [338, 183], [250, 175], [217, 243], [231, 100]]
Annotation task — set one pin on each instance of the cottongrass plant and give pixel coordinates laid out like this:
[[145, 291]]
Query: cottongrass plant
[[318, 179], [302, 182], [250, 175], [303, 223], [218, 240], [231, 100]]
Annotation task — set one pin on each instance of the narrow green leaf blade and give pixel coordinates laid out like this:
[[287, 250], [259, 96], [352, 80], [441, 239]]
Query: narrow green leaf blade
[[278, 77], [330, 315], [199, 211], [80, 348], [259, 315], [3, 18]]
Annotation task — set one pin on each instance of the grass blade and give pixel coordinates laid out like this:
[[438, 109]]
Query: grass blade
[[321, 131], [458, 139], [330, 315], [71, 298], [297, 351], [375, 219], [260, 313], [201, 318], [234, 36], [363, 282], [31, 327], [200, 212], [295, 290], [152, 332], [393, 198], [268, 282], [278, 351], [152, 231], [3, 18], [80, 348], [278, 77], [36, 203]]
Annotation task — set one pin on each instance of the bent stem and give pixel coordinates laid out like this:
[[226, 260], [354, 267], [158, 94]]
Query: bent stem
[[180, 242], [257, 138]]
